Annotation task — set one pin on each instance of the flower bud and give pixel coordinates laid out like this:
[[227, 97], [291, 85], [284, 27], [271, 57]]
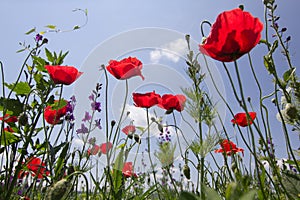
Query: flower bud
[[58, 190], [113, 123], [187, 171], [291, 111], [23, 119], [137, 138]]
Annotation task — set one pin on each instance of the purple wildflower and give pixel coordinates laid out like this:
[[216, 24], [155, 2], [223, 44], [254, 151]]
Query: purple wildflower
[[83, 129], [91, 97], [98, 123], [38, 37], [96, 106], [87, 117]]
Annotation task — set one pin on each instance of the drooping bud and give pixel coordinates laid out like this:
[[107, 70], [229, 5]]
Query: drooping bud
[[23, 119], [186, 171], [58, 190]]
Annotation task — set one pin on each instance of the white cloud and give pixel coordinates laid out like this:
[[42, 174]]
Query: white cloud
[[138, 115], [77, 142], [170, 51]]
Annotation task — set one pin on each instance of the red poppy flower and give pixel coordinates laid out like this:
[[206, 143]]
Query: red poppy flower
[[63, 74], [94, 150], [170, 102], [105, 147], [37, 167], [9, 119], [128, 170], [234, 34], [241, 119], [53, 116], [229, 147], [130, 129], [146, 100], [126, 68]]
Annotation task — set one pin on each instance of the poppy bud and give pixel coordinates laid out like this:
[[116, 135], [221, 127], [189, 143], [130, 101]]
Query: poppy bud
[[160, 127], [248, 99], [291, 111], [187, 38], [187, 171], [112, 123], [153, 119], [233, 166], [45, 41], [71, 170], [137, 138], [23, 119], [58, 190]]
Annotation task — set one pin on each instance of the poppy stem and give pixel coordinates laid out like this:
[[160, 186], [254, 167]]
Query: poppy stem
[[201, 26], [148, 149]]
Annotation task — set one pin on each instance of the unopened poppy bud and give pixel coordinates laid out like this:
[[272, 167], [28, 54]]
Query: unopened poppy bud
[[113, 123], [137, 138], [248, 99], [23, 119], [273, 100], [58, 190], [71, 170], [187, 171], [153, 119], [233, 166], [187, 38], [45, 41], [169, 111], [160, 127], [291, 111]]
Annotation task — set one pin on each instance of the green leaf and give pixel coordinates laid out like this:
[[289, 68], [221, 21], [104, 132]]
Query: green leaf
[[117, 171], [273, 47], [61, 159], [49, 55], [41, 83], [51, 26], [249, 195], [269, 64], [40, 63], [30, 31], [21, 50], [211, 194], [59, 104], [121, 146], [13, 105], [188, 196], [291, 182], [8, 138], [22, 88], [61, 58], [288, 74]]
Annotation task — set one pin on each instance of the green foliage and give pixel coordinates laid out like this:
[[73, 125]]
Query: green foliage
[[165, 154], [21, 88], [11, 105]]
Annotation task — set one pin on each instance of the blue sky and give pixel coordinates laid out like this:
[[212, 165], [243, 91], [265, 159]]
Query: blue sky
[[110, 19]]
